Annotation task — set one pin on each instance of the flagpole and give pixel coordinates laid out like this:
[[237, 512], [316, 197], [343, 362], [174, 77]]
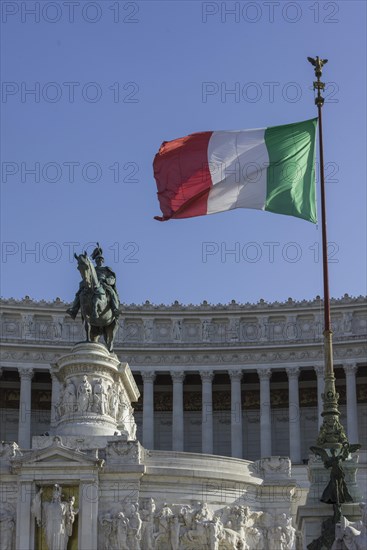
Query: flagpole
[[332, 434]]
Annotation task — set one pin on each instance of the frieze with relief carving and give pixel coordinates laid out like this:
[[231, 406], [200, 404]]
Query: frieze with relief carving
[[151, 525], [194, 358], [43, 322]]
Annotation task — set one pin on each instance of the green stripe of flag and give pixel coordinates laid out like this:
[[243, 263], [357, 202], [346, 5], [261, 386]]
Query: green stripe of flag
[[291, 173]]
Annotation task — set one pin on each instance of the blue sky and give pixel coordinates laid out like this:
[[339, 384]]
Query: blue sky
[[114, 79]]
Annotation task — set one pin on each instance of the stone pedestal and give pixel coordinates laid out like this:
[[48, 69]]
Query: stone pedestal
[[96, 393], [93, 432], [311, 516]]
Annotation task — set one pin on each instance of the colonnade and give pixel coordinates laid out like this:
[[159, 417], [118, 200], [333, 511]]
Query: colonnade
[[178, 376], [236, 409]]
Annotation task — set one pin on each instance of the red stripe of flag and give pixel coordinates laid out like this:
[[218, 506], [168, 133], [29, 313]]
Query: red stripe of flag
[[183, 178]]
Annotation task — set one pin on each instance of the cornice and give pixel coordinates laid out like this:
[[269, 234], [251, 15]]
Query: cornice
[[168, 358], [205, 307]]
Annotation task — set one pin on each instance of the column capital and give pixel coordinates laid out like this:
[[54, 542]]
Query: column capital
[[25, 374], [293, 372], [350, 368], [178, 376], [148, 375], [319, 369], [235, 374], [264, 374], [206, 375]]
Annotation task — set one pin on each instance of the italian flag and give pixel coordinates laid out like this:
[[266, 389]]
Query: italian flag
[[269, 169]]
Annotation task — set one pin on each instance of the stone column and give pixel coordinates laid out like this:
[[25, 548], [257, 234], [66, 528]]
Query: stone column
[[148, 408], [25, 408], [207, 412], [88, 514], [320, 390], [236, 413], [24, 535], [352, 412], [177, 413], [55, 396], [294, 415], [265, 412]]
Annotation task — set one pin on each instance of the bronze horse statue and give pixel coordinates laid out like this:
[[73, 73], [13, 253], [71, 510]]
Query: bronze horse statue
[[95, 305]]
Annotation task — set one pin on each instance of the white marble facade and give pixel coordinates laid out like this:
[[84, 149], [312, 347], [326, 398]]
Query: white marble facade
[[235, 380], [85, 487], [228, 393]]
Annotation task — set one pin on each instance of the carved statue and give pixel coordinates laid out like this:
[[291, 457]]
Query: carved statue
[[282, 535], [55, 517], [206, 330], [201, 529], [318, 64], [114, 530], [201, 523], [120, 408], [216, 533], [165, 516], [113, 402], [97, 298], [9, 450], [123, 407], [69, 398], [243, 528], [234, 330], [84, 395], [105, 531], [177, 330], [290, 532], [99, 397], [7, 524], [148, 330], [277, 538], [121, 530], [336, 492], [70, 516], [134, 526], [147, 530], [347, 321], [351, 535]]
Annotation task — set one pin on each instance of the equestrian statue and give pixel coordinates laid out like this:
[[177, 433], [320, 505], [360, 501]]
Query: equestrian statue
[[97, 298]]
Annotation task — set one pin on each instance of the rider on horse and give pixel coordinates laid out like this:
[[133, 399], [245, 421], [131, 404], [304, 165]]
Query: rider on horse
[[107, 279]]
